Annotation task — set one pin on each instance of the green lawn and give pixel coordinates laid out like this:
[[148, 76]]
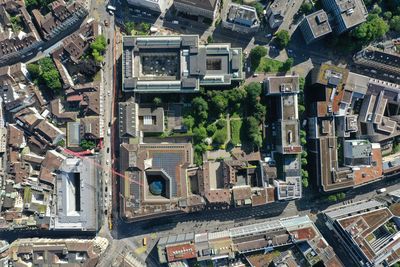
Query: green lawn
[[221, 135], [269, 65], [236, 126]]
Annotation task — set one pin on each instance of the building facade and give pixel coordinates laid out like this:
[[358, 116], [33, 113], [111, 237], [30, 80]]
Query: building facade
[[203, 8], [154, 5]]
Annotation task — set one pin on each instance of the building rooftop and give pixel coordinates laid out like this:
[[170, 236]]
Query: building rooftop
[[177, 64], [372, 229], [319, 23], [242, 15], [353, 12], [77, 195]]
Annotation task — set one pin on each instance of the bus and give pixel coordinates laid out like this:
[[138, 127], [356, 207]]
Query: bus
[[112, 8]]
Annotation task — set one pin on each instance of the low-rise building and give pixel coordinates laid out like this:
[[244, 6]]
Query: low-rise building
[[315, 26], [50, 252], [203, 8], [276, 12], [368, 232], [177, 64], [77, 186], [241, 18], [378, 59], [60, 17], [297, 233]]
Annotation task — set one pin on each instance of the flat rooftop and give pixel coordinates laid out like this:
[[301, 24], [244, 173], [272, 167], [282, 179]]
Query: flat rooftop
[[353, 12], [242, 15], [177, 64], [319, 23]]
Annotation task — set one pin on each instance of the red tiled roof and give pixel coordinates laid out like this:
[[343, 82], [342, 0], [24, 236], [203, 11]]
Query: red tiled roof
[[181, 252]]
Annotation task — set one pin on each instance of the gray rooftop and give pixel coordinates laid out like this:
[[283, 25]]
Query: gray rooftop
[[77, 202], [319, 23], [353, 12], [242, 15]]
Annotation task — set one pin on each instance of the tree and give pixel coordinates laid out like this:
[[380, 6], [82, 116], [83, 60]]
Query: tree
[[395, 23], [211, 129], [287, 64], [199, 134], [220, 124], [306, 8], [376, 10], [302, 83], [304, 162], [219, 103], [31, 4], [253, 131], [48, 74], [210, 39], [188, 122], [256, 54], [87, 144], [374, 28], [387, 15], [304, 182], [301, 109], [259, 8], [34, 70], [52, 79], [145, 26], [332, 198], [260, 111], [129, 27], [253, 90], [282, 38], [219, 138], [157, 101], [97, 57], [340, 196], [99, 44], [200, 108]]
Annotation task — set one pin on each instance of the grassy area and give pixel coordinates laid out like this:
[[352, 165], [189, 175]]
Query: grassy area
[[269, 65], [27, 194], [221, 134], [236, 126]]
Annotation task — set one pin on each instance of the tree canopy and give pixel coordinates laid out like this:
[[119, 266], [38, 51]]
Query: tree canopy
[[98, 47], [45, 72], [395, 23], [374, 28], [306, 8], [256, 54], [282, 38]]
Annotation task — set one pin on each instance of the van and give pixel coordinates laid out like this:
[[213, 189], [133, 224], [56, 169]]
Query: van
[[380, 191], [175, 22]]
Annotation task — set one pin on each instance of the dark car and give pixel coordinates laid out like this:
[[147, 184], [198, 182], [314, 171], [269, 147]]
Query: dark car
[[108, 41]]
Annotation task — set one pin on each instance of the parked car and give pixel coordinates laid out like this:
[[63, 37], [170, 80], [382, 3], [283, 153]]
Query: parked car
[[381, 190]]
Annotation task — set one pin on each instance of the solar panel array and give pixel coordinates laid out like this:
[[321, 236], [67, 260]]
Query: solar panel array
[[168, 162]]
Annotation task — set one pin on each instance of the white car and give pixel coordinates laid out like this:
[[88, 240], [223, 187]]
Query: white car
[[268, 35]]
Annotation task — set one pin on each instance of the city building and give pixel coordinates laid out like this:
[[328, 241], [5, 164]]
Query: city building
[[276, 12], [18, 31], [296, 233], [177, 64], [283, 134], [315, 26], [379, 60], [53, 252], [367, 231], [341, 154], [241, 18], [78, 195], [61, 17], [155, 182], [200, 8], [347, 13], [154, 5], [127, 119]]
